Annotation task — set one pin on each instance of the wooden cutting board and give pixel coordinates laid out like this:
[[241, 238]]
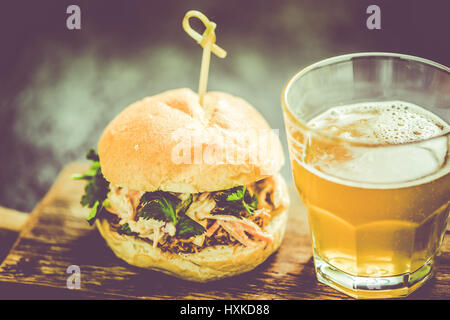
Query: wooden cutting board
[[56, 236]]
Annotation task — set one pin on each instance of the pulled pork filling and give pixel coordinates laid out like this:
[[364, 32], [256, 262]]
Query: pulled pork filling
[[188, 223]]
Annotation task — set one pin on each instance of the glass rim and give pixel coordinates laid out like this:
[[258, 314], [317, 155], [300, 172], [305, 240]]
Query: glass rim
[[346, 57]]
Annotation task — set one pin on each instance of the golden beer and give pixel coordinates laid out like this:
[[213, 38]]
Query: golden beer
[[378, 207], [369, 139]]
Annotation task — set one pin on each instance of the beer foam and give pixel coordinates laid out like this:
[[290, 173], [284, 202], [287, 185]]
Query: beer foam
[[396, 160], [392, 122]]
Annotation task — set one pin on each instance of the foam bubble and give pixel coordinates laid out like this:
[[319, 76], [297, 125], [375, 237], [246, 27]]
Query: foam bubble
[[393, 124]]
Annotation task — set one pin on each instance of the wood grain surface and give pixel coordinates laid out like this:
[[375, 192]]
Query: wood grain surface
[[56, 236], [12, 220]]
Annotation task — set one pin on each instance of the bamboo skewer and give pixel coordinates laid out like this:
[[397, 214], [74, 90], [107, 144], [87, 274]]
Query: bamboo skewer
[[207, 41]]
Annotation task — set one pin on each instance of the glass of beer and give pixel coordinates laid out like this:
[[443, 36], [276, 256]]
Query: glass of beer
[[369, 141]]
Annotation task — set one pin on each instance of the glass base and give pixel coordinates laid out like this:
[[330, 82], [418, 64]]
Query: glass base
[[372, 287]]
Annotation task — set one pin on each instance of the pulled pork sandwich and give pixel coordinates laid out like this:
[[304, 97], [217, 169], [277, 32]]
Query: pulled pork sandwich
[[162, 206]]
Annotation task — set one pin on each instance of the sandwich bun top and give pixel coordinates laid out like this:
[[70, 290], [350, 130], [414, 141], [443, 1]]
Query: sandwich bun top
[[170, 142]]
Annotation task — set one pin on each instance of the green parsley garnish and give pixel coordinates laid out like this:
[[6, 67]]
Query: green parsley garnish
[[187, 227], [234, 201], [125, 229], [165, 206], [96, 189]]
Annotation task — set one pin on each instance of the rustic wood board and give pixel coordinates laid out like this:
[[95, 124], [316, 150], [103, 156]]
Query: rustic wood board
[[57, 235]]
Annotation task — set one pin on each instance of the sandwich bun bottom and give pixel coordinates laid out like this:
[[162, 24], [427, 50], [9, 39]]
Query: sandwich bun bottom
[[211, 263]]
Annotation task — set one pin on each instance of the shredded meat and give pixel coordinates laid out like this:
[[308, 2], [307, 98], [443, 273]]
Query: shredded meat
[[264, 189]]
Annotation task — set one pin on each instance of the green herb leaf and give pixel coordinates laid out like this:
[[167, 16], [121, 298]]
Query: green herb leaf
[[250, 203], [188, 228], [125, 229], [235, 201], [92, 155], [233, 210], [237, 195], [96, 189], [93, 213], [167, 207], [159, 205], [232, 194]]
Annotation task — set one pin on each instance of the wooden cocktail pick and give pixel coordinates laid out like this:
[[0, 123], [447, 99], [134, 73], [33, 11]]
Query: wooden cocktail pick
[[207, 41]]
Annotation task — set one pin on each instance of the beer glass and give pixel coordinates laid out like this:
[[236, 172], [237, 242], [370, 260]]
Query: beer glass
[[369, 140]]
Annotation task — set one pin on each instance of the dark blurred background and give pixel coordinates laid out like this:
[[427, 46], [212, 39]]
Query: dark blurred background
[[59, 88]]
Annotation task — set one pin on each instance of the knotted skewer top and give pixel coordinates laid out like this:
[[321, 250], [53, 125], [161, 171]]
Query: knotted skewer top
[[207, 41]]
